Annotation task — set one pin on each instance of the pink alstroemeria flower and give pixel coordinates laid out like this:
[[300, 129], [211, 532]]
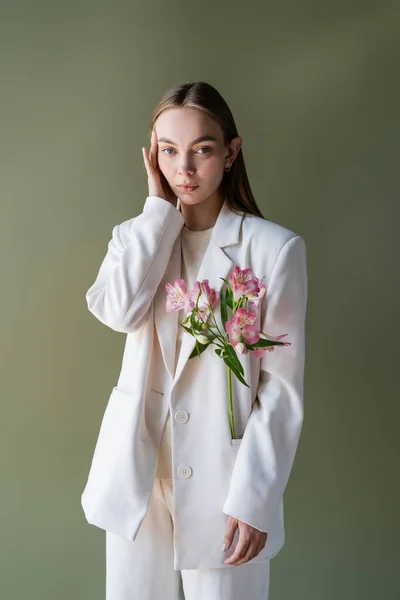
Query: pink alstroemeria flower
[[254, 299], [242, 329], [208, 297], [261, 289], [243, 283], [178, 297]]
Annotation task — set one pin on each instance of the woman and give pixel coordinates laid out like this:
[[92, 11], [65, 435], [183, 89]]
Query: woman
[[169, 482]]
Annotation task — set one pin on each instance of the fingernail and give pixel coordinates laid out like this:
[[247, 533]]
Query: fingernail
[[223, 547]]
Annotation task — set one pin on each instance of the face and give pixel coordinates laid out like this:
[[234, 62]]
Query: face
[[185, 159]]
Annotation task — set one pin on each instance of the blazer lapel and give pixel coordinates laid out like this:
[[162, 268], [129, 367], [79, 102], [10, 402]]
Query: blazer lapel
[[166, 324], [215, 264]]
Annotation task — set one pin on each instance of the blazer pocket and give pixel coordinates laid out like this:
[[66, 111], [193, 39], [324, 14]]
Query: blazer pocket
[[236, 441], [112, 435]]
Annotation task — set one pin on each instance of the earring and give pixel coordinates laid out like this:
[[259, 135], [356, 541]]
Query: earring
[[227, 169]]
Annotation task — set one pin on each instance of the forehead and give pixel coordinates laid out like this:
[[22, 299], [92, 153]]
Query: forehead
[[182, 125]]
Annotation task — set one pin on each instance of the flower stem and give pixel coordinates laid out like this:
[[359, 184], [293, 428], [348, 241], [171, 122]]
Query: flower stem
[[231, 419], [215, 322]]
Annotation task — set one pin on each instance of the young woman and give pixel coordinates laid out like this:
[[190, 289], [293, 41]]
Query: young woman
[[190, 509]]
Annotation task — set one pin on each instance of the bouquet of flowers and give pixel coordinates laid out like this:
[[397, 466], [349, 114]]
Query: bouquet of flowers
[[242, 296]]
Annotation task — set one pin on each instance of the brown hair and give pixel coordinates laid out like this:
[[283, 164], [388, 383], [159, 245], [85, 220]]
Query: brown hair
[[203, 96]]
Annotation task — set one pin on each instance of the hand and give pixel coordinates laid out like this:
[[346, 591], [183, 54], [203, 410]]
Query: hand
[[158, 185], [251, 541]]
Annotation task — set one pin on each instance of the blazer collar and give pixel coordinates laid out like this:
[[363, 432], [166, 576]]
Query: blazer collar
[[215, 264]]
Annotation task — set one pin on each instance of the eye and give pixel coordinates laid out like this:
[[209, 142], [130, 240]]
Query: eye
[[164, 149], [205, 148]]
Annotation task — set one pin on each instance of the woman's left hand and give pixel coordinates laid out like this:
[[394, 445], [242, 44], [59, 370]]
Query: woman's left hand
[[251, 541]]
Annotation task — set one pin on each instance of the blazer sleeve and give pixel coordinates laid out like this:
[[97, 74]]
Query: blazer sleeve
[[134, 265], [266, 453]]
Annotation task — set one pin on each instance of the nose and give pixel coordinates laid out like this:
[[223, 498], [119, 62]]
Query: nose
[[186, 167]]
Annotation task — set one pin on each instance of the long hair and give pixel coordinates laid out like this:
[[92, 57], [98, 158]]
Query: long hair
[[203, 96]]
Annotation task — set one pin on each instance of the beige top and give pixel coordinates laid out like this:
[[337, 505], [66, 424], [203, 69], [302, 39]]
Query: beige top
[[194, 245]]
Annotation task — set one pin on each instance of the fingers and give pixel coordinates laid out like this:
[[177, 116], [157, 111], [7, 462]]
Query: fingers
[[249, 545], [230, 532], [150, 156], [154, 149], [239, 557], [241, 549], [146, 161]]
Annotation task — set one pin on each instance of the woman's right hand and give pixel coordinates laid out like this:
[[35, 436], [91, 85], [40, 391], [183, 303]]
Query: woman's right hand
[[158, 185]]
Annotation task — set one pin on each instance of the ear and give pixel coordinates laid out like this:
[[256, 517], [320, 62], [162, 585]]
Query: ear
[[234, 148]]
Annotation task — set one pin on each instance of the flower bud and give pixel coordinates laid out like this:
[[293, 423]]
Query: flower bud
[[201, 338]]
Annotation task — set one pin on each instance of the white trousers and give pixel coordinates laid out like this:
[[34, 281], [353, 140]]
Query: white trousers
[[143, 569]]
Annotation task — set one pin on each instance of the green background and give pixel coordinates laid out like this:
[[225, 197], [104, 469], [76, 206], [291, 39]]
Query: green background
[[314, 90]]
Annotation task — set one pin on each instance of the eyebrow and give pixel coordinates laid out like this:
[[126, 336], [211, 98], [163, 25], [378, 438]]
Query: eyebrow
[[202, 138]]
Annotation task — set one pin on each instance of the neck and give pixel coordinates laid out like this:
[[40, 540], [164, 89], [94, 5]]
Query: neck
[[203, 215]]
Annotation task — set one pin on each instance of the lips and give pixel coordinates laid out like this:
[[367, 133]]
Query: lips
[[188, 188]]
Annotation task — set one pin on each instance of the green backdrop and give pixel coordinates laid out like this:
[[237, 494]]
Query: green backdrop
[[313, 88]]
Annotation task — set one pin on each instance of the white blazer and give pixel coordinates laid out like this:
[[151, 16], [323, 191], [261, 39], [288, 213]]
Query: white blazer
[[213, 475]]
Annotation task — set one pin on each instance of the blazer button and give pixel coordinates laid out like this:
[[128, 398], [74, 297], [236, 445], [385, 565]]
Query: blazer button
[[181, 416], [184, 471]]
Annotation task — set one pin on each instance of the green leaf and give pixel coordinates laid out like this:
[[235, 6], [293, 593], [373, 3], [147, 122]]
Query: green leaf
[[198, 349], [224, 310], [234, 371], [233, 357], [263, 343], [186, 328], [193, 321], [229, 298]]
